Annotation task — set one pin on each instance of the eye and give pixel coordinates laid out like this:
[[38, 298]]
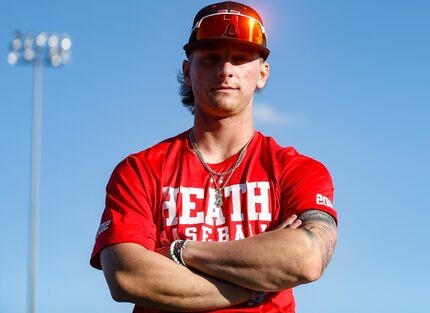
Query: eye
[[240, 59], [211, 58]]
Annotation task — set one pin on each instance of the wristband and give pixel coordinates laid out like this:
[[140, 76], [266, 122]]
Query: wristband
[[256, 298], [176, 248]]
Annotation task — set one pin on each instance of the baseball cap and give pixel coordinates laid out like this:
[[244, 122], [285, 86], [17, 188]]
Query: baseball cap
[[228, 21]]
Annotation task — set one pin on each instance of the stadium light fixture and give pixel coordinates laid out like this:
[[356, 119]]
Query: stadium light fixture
[[39, 50]]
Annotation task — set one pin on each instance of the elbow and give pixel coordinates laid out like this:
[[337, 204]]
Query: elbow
[[310, 268], [303, 270], [122, 289], [121, 292], [118, 290], [125, 288], [310, 275], [118, 295]]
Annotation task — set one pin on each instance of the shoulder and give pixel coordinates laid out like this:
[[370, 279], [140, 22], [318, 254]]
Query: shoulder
[[159, 151], [152, 159], [289, 159], [163, 148]]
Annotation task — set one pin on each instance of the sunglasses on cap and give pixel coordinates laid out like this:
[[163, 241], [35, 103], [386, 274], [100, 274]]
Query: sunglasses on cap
[[230, 25]]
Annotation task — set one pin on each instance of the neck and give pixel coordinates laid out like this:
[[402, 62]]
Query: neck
[[219, 140]]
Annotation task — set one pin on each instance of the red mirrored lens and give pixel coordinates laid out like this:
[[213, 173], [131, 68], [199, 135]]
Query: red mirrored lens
[[230, 26]]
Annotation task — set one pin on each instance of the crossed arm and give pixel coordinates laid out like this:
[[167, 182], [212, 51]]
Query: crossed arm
[[146, 278], [272, 261], [222, 274]]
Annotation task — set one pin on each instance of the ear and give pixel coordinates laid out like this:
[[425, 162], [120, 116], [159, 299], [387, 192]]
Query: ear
[[263, 75], [186, 72]]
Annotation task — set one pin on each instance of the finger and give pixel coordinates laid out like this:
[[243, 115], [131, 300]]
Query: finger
[[295, 224], [290, 220]]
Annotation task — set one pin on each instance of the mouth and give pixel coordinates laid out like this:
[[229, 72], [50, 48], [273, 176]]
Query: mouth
[[224, 88]]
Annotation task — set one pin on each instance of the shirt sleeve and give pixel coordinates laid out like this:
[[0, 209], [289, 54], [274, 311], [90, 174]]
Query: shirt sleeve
[[127, 216], [306, 184]]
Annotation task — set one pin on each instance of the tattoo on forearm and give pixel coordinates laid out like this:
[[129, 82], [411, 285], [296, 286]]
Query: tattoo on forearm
[[308, 231], [321, 228], [328, 253]]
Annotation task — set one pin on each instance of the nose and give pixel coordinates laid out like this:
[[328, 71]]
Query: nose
[[225, 70]]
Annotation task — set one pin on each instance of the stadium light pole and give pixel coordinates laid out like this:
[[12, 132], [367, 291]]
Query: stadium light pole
[[39, 50]]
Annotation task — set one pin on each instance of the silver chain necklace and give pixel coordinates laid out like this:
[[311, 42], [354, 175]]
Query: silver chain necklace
[[219, 188]]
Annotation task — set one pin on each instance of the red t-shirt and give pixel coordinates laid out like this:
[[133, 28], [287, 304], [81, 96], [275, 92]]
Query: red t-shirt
[[164, 193]]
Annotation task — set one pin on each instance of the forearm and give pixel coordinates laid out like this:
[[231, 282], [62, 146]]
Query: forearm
[[153, 281], [272, 261]]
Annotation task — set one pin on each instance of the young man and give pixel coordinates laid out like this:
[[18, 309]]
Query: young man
[[219, 218]]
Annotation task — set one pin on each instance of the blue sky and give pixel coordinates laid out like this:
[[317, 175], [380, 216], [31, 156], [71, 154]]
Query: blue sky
[[350, 86]]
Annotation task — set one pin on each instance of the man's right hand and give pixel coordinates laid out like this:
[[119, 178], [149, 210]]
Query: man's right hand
[[292, 222]]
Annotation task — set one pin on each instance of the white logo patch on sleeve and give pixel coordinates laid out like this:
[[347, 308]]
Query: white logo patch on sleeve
[[323, 200], [103, 226]]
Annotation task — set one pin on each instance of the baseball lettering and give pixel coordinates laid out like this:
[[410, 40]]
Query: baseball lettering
[[262, 199], [246, 211], [188, 206], [169, 205], [233, 192]]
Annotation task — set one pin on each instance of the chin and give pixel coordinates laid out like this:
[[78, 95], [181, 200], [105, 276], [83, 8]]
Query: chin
[[224, 105], [224, 101]]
